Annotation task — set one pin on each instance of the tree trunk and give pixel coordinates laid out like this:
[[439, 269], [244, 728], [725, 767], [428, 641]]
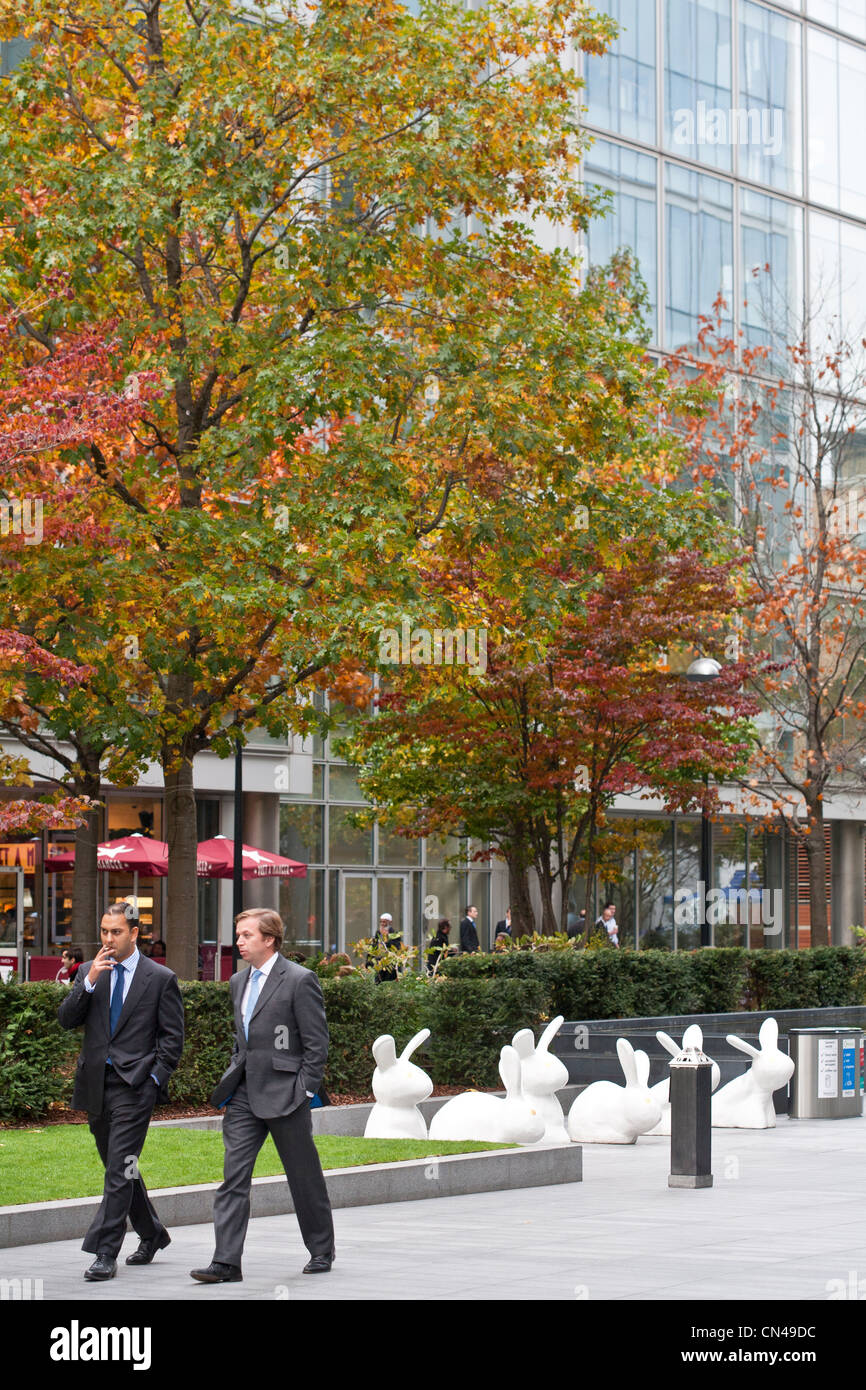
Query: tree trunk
[[181, 925], [85, 885], [519, 896], [549, 923], [816, 856]]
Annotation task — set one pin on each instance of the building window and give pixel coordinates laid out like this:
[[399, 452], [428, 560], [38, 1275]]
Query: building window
[[621, 86], [699, 251], [769, 112], [697, 78], [631, 222], [837, 119], [771, 295]]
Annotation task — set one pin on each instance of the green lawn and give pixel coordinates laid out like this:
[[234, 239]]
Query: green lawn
[[44, 1165]]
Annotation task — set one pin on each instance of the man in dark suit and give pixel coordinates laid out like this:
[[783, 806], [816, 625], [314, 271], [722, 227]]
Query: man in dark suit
[[276, 1068], [133, 1038], [468, 930]]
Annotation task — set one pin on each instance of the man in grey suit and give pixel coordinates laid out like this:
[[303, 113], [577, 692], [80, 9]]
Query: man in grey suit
[[133, 1037], [276, 1067]]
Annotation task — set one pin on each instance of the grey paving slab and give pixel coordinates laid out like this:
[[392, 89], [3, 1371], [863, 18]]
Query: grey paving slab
[[788, 1223]]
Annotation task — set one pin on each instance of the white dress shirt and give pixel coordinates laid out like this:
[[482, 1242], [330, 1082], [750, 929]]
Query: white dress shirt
[[128, 971]]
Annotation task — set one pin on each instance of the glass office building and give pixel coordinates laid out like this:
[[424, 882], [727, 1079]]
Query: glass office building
[[729, 136]]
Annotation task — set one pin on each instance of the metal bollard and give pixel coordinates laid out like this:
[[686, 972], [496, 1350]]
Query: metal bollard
[[691, 1118]]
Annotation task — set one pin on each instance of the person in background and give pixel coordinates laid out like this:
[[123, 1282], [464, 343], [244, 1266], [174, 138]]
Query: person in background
[[503, 928], [70, 960], [501, 942], [607, 922], [469, 931], [157, 950], [393, 940], [439, 945], [576, 924]]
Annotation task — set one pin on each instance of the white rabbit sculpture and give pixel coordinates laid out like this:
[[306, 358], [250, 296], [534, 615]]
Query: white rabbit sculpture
[[609, 1114], [541, 1076], [747, 1101], [476, 1115], [398, 1086], [692, 1037]]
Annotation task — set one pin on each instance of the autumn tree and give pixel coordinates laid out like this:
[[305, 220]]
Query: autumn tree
[[783, 447], [19, 656], [309, 230], [604, 567]]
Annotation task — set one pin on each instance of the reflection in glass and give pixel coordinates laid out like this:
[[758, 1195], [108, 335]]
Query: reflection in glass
[[397, 849], [301, 832], [847, 15], [771, 94], [343, 784], [621, 86], [698, 79], [700, 251], [631, 221], [448, 892], [688, 886], [772, 268], [656, 870], [358, 910], [731, 913], [837, 275], [440, 848], [347, 844], [837, 119], [302, 907]]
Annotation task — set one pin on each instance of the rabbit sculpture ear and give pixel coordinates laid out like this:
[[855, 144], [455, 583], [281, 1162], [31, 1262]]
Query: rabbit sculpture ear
[[550, 1032], [668, 1043], [524, 1043], [742, 1046], [509, 1071], [411, 1045], [625, 1052], [693, 1037], [768, 1035], [385, 1052], [642, 1065]]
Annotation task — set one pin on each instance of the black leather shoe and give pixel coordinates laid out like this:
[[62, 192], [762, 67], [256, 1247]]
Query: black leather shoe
[[103, 1267], [320, 1264], [218, 1274], [147, 1249]]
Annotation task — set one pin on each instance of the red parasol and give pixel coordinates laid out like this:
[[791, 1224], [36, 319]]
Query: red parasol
[[216, 860]]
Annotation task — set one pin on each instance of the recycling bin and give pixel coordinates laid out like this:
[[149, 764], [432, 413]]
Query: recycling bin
[[826, 1080]]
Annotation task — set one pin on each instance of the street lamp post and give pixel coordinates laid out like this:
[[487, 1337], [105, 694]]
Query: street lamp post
[[705, 669], [238, 865]]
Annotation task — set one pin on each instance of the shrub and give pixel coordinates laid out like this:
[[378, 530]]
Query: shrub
[[209, 1029], [471, 1020], [36, 1054]]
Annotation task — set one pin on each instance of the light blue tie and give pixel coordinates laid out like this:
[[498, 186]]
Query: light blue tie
[[255, 986]]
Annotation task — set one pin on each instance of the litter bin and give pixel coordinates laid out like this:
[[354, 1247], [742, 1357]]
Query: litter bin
[[826, 1080]]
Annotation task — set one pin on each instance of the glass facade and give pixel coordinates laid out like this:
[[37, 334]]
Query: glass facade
[[727, 133]]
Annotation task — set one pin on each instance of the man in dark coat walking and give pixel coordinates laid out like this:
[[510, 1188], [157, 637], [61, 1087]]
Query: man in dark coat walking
[[133, 1038]]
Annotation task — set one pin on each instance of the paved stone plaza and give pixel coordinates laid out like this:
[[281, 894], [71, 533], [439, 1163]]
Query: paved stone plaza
[[786, 1219]]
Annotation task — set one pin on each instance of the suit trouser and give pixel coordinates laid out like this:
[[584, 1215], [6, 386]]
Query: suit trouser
[[120, 1131], [243, 1136]]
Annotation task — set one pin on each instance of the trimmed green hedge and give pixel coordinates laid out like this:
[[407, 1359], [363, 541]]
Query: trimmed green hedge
[[37, 1056], [477, 1005], [639, 984]]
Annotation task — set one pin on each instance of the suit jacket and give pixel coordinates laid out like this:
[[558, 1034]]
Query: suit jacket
[[468, 935], [148, 1037], [285, 1054]]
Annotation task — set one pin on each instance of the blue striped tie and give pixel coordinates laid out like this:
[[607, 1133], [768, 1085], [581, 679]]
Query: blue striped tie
[[255, 986]]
